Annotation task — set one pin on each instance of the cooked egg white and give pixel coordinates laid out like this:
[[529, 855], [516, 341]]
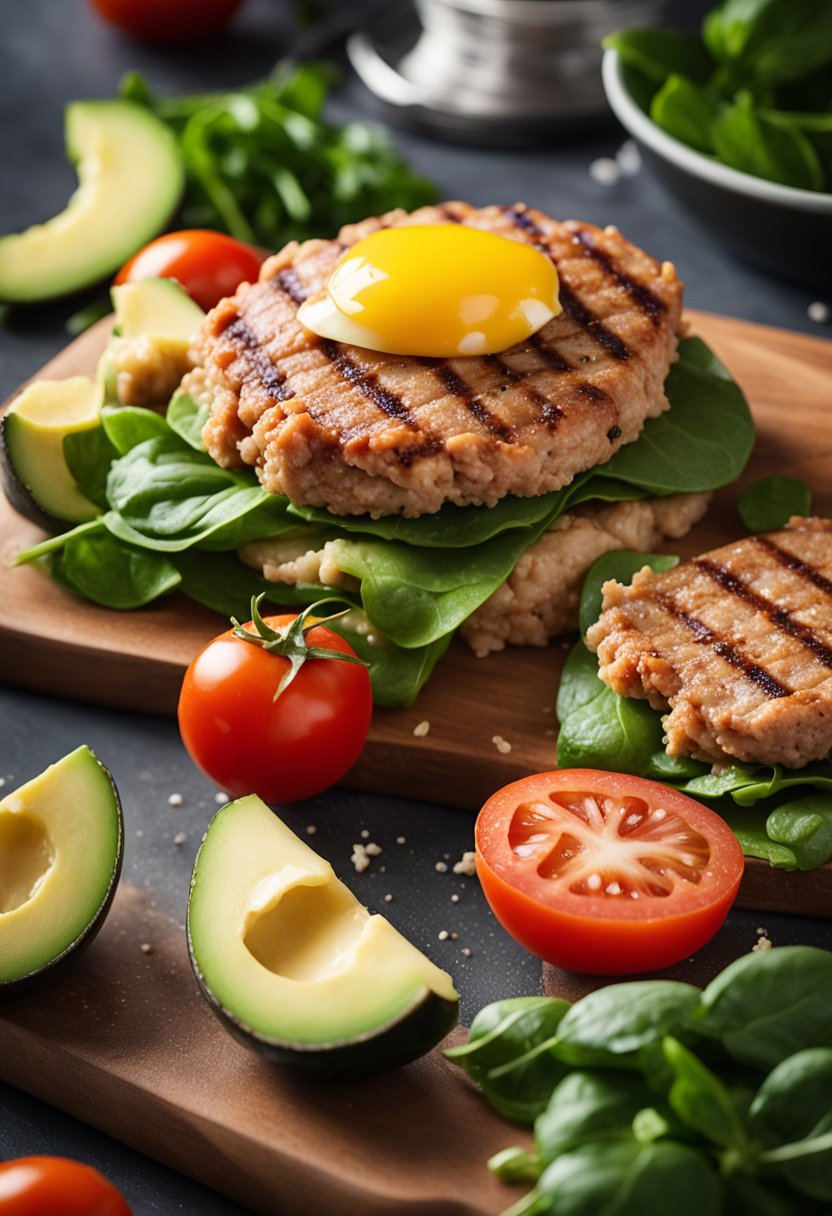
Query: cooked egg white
[[438, 290]]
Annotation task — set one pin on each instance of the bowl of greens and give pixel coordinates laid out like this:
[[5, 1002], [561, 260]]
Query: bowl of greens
[[736, 120]]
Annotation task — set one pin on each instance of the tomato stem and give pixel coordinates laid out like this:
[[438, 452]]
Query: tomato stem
[[290, 642]]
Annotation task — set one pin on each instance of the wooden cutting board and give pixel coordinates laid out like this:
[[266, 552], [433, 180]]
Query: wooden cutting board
[[52, 642]]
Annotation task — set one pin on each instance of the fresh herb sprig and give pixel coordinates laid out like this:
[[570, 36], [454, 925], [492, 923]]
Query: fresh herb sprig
[[650, 1096], [753, 89], [263, 164]]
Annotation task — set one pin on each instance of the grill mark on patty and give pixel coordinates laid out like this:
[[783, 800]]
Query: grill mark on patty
[[641, 295], [779, 617], [722, 647], [272, 379], [549, 354], [288, 282], [458, 387], [577, 310], [800, 568], [368, 384], [549, 411]]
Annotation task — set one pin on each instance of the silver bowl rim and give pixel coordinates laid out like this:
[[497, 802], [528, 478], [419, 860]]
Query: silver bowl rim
[[646, 132]]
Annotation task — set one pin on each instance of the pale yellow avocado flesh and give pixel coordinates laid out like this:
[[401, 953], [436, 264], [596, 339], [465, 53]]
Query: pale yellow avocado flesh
[[60, 854], [35, 426], [158, 308], [286, 948], [130, 179]]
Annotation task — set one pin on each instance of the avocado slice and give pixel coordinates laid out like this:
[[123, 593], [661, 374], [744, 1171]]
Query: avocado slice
[[148, 353], [33, 467], [130, 180], [61, 846], [294, 965]]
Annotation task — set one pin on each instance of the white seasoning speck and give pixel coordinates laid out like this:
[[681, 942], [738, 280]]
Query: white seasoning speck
[[388, 899], [146, 948], [819, 312], [443, 935], [401, 840], [454, 898], [365, 834], [441, 867], [466, 951], [501, 744], [628, 158], [175, 799], [467, 864], [604, 171], [311, 829], [421, 729], [180, 838], [220, 796]]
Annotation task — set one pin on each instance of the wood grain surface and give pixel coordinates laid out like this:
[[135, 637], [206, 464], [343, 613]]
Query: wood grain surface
[[125, 1041], [52, 642]]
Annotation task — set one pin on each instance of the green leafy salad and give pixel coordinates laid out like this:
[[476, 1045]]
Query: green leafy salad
[[171, 519], [652, 1097], [781, 815], [753, 89]]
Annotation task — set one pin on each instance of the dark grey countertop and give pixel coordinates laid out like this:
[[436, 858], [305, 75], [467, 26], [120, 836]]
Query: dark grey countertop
[[52, 53]]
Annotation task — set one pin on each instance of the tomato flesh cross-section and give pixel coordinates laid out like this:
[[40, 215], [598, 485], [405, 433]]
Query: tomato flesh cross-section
[[605, 873]]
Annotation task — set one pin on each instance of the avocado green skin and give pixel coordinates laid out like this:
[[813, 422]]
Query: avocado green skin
[[42, 974], [411, 1036], [19, 494]]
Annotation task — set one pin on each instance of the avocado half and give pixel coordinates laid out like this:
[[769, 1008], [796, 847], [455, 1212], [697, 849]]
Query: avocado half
[[35, 475], [294, 965], [130, 180], [61, 848]]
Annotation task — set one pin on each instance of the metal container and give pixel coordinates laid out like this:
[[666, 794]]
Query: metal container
[[494, 70]]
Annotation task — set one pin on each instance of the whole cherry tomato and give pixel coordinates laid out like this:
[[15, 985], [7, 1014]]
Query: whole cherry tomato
[[56, 1186], [250, 737], [209, 265], [605, 873], [167, 20]]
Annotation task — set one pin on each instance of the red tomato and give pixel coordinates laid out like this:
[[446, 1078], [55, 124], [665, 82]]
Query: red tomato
[[284, 749], [209, 265], [605, 873], [56, 1186], [167, 20]]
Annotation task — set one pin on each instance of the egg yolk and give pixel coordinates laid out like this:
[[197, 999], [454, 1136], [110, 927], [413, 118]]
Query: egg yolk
[[436, 290]]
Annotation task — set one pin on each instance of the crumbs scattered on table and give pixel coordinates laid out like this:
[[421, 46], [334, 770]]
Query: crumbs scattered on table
[[441, 867], [175, 799], [421, 729], [146, 948], [605, 171], [454, 898], [180, 838], [443, 935], [819, 311], [310, 829], [467, 864], [388, 899], [362, 854], [763, 942], [466, 951], [220, 796], [502, 745], [401, 840], [364, 833]]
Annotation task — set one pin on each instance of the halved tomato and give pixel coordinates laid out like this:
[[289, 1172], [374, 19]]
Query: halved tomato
[[605, 873]]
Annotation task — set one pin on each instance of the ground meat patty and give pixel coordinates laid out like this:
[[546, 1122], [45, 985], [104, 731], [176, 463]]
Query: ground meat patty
[[357, 431], [735, 644]]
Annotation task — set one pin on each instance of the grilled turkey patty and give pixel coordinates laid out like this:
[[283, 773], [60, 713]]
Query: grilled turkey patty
[[735, 644], [358, 431]]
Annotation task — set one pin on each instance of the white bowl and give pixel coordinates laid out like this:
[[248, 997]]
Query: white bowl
[[779, 228]]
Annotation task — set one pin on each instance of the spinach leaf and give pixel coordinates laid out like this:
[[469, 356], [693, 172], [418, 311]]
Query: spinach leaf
[[616, 1022], [88, 455], [702, 1101], [749, 827], [186, 418], [580, 685], [222, 582], [768, 41], [127, 426], [660, 53], [792, 1117], [804, 826], [508, 1054], [97, 566], [617, 734], [589, 1106], [771, 502], [397, 674], [625, 1178], [777, 151], [686, 111], [749, 1196], [765, 1006]]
